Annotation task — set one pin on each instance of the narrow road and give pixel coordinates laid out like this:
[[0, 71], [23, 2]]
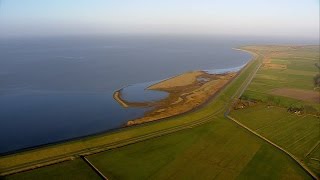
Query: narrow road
[[94, 168], [277, 146], [243, 86], [227, 112]]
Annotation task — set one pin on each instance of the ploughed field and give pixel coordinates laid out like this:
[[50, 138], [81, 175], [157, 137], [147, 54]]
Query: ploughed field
[[271, 84], [202, 144], [282, 104]]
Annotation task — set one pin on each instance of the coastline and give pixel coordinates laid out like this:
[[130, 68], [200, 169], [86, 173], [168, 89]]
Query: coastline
[[117, 97], [234, 88], [186, 93], [126, 104], [178, 102], [25, 159]]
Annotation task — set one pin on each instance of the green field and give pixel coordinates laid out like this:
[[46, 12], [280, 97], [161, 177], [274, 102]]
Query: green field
[[297, 133], [76, 169], [218, 150], [199, 145], [298, 75]]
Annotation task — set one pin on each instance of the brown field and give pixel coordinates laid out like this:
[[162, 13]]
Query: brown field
[[304, 95], [266, 60], [299, 72], [274, 66], [186, 92]]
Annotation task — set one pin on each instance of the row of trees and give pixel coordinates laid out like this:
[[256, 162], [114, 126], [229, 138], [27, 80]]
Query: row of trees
[[316, 78]]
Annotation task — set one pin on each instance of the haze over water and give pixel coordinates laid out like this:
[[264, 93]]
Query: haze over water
[[53, 89]]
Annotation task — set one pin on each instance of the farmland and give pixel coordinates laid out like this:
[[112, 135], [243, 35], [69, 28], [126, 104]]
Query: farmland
[[297, 131], [298, 74], [202, 144], [75, 169], [219, 149]]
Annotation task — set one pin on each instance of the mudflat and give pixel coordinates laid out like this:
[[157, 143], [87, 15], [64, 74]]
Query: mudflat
[[186, 92], [176, 81]]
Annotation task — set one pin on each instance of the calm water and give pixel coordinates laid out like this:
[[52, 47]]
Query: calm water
[[61, 88], [139, 93]]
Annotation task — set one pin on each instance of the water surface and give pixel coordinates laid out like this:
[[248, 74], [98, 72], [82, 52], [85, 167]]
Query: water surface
[[53, 89]]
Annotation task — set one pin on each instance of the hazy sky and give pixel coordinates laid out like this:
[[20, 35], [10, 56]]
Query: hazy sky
[[298, 18]]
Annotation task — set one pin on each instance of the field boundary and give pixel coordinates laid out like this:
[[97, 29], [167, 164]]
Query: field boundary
[[94, 168], [277, 146], [312, 149], [226, 114]]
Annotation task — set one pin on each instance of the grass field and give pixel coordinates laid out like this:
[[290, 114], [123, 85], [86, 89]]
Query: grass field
[[298, 74], [217, 149], [76, 169], [298, 134]]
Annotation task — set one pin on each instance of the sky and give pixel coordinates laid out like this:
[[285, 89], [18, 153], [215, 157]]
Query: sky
[[284, 18]]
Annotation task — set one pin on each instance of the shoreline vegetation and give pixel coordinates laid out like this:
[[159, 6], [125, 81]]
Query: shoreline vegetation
[[186, 91]]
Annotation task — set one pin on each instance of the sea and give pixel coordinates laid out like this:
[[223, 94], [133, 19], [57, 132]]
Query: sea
[[54, 89]]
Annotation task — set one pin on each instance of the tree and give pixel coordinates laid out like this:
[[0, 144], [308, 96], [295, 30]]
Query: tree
[[316, 80]]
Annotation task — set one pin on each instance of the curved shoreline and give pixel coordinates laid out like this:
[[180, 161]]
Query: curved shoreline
[[117, 97], [124, 103], [180, 101], [186, 93]]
